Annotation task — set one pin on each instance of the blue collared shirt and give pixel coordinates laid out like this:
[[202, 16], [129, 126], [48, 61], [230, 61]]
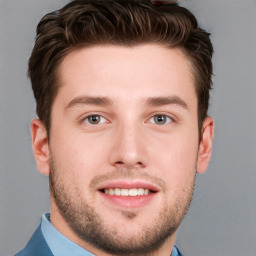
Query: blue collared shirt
[[62, 246]]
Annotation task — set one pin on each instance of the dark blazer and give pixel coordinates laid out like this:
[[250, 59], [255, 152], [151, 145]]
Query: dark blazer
[[36, 246]]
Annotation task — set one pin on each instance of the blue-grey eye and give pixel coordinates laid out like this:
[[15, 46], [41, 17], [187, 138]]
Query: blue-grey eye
[[160, 119], [95, 119]]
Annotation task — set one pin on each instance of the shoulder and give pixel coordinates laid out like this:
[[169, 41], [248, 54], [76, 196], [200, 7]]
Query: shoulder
[[36, 246]]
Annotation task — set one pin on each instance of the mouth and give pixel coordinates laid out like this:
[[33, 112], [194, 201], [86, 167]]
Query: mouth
[[127, 194]]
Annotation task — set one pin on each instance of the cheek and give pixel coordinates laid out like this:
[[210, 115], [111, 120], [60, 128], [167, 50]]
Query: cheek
[[78, 155], [176, 159]]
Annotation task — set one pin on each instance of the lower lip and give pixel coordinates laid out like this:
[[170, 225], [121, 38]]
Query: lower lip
[[129, 201]]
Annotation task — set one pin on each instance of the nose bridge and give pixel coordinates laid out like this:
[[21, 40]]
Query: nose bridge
[[129, 145]]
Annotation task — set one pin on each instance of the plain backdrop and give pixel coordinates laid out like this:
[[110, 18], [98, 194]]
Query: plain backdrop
[[222, 217]]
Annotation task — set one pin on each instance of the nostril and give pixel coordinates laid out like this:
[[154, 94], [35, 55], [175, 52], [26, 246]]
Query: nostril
[[120, 163]]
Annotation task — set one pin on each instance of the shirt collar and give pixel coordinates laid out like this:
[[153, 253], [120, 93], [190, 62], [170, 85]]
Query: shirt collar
[[59, 244], [175, 252]]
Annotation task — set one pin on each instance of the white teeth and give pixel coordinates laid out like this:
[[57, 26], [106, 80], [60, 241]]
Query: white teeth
[[133, 192], [126, 192], [111, 191], [140, 191], [117, 191]]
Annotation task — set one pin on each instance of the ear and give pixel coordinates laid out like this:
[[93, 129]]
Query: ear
[[40, 146], [205, 146]]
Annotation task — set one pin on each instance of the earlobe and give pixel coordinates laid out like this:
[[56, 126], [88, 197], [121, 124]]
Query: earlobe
[[205, 146], [40, 146]]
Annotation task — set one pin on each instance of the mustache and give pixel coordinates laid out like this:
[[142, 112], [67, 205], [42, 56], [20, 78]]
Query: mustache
[[123, 173]]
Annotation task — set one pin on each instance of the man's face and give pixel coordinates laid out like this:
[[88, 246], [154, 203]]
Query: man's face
[[123, 146]]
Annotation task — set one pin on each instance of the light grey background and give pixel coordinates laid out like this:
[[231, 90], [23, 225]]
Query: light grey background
[[222, 218]]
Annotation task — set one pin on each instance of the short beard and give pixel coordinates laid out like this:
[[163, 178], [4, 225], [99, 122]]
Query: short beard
[[88, 225]]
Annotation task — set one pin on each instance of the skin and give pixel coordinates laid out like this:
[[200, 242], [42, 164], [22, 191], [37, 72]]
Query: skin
[[127, 145]]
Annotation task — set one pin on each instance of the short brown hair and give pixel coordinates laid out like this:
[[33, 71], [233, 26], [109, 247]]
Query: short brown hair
[[84, 23]]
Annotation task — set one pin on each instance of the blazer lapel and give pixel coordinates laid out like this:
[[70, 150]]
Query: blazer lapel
[[36, 246]]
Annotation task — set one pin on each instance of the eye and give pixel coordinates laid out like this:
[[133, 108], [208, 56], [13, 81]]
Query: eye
[[160, 119], [95, 119]]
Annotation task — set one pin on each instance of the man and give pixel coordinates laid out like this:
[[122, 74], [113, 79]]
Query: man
[[122, 91]]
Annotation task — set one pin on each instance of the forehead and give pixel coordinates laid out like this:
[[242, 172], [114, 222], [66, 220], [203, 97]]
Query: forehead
[[120, 71]]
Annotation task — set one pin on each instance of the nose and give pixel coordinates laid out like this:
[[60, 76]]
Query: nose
[[129, 147]]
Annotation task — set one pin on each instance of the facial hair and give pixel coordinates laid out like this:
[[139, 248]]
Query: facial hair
[[88, 224]]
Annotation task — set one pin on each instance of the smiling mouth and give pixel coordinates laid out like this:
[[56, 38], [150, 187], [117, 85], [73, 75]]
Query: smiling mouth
[[133, 192], [128, 194]]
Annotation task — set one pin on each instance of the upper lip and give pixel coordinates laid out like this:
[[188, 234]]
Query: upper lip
[[129, 184]]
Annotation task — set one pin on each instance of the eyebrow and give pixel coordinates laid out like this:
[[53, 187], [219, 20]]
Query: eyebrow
[[170, 100], [105, 101], [88, 100]]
